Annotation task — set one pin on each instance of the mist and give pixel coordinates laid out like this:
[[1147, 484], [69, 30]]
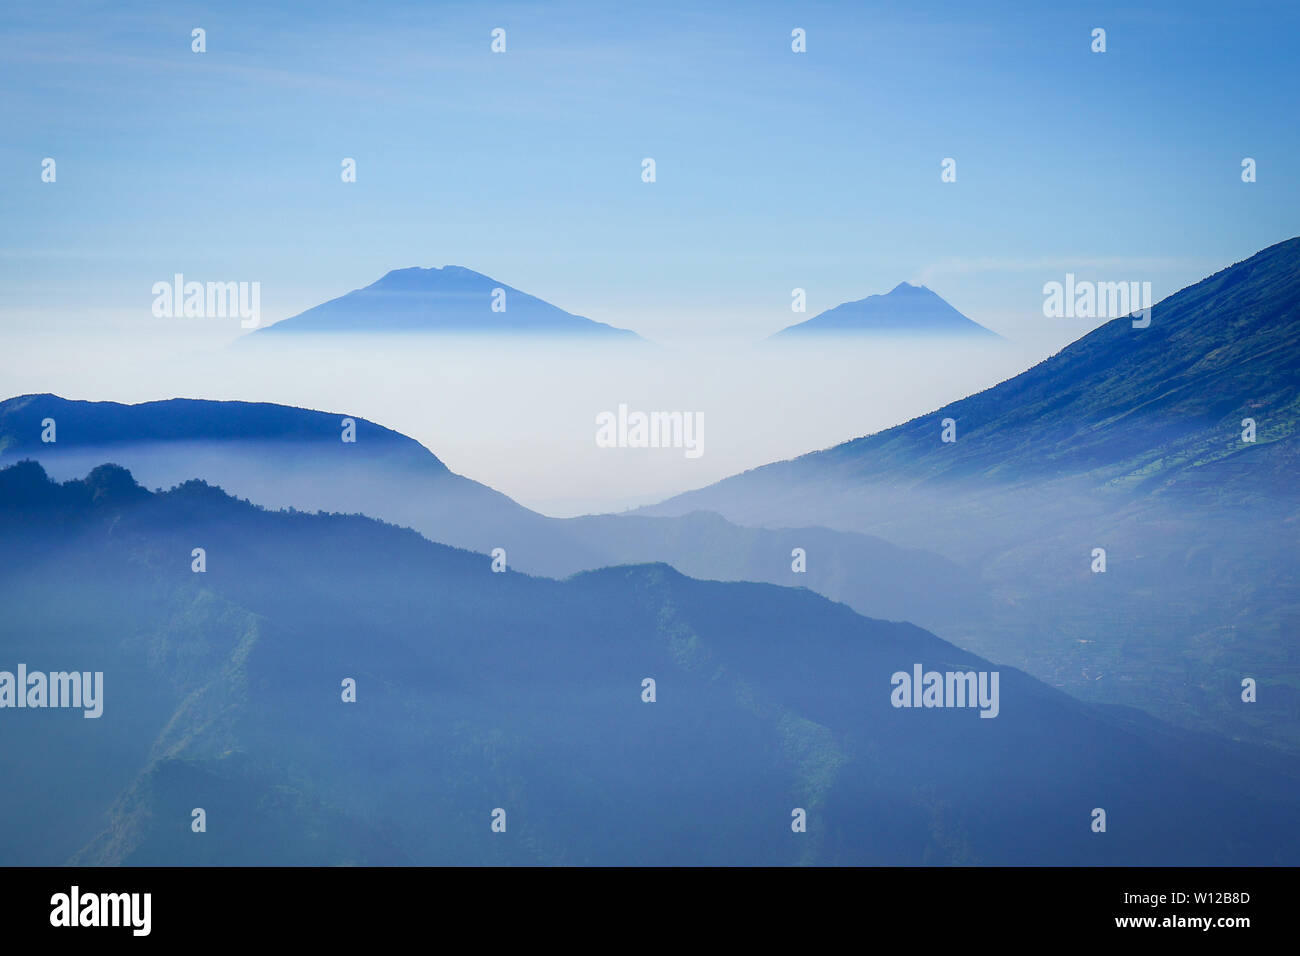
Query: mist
[[519, 414]]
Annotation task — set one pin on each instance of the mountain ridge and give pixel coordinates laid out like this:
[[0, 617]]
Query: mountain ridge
[[478, 690], [385, 475]]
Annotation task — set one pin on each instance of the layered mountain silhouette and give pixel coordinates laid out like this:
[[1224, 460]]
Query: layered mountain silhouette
[[478, 691], [279, 456], [452, 299], [1133, 440], [905, 311], [1129, 441], [271, 454]]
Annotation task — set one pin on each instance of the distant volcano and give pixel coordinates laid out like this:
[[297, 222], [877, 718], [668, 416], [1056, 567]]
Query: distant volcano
[[907, 310], [451, 299]]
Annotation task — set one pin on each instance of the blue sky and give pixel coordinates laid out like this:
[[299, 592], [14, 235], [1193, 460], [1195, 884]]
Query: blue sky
[[775, 170]]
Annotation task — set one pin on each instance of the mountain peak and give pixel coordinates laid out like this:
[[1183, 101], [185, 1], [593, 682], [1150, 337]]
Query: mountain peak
[[430, 275], [113, 484], [453, 299], [906, 310]]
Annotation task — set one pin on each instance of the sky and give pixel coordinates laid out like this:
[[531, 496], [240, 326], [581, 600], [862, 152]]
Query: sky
[[774, 170]]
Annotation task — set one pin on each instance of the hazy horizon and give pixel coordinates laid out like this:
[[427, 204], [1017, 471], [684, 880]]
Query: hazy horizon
[[520, 417], [132, 156]]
